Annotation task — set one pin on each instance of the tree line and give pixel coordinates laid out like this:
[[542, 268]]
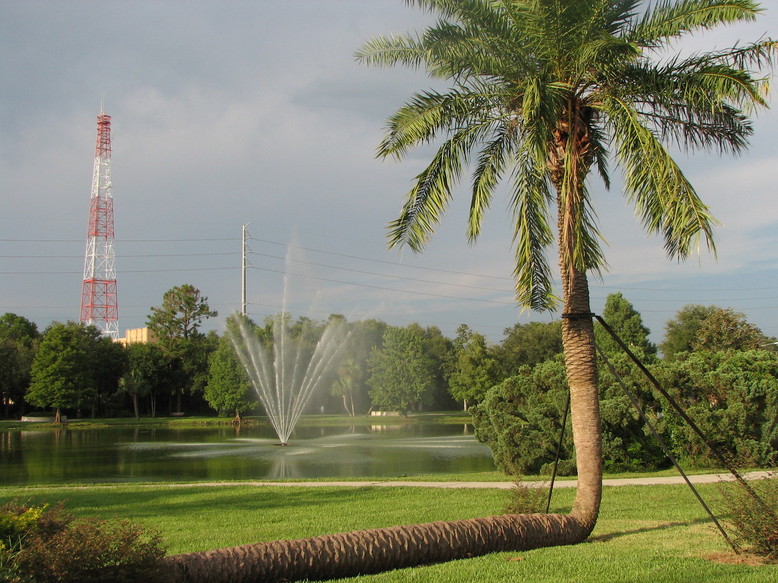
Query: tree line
[[720, 367]]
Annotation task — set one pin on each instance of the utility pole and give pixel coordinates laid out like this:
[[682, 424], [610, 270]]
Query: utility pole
[[244, 266]]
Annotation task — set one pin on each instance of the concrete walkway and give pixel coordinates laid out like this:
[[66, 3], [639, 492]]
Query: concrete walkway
[[697, 479]]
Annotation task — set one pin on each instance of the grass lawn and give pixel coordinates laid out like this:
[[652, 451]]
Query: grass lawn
[[645, 534]]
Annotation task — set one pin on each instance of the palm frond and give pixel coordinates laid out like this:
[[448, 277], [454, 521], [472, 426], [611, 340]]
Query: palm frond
[[388, 51], [491, 164], [600, 153], [669, 19], [697, 102], [665, 200], [429, 113], [532, 235], [431, 193]]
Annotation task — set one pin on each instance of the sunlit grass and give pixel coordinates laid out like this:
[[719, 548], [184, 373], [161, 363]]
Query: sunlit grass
[[645, 534]]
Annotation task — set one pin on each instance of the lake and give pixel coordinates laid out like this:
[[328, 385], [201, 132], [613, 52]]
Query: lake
[[152, 454]]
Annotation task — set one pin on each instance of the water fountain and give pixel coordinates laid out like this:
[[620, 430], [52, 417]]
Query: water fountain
[[287, 374]]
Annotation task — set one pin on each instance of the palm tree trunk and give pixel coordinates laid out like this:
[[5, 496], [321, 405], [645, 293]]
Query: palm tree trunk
[[569, 162], [581, 365], [371, 551]]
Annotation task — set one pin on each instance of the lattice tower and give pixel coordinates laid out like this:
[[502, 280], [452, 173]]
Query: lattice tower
[[99, 304]]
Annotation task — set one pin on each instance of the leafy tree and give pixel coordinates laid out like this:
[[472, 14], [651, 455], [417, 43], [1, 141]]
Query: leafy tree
[[545, 92], [149, 372], [464, 334], [400, 373], [475, 371], [697, 327], [108, 360], [134, 384], [176, 325], [228, 388], [350, 384], [71, 368], [725, 329], [345, 385], [528, 344], [681, 331], [437, 348], [627, 323], [18, 342]]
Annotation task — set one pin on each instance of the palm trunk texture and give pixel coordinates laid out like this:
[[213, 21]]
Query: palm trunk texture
[[371, 551]]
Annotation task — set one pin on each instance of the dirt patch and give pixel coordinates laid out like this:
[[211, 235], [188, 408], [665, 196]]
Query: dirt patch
[[741, 559]]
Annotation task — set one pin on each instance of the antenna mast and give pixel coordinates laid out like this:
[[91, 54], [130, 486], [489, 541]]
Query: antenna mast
[[99, 305]]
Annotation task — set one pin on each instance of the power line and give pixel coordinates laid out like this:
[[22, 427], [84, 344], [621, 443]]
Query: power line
[[362, 272], [357, 257], [394, 263], [433, 295], [145, 255], [120, 240], [165, 270]]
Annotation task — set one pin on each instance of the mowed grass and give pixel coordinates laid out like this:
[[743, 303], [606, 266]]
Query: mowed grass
[[645, 534]]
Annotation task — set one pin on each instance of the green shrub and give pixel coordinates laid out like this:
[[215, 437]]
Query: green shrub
[[525, 499], [42, 545], [520, 420], [753, 521]]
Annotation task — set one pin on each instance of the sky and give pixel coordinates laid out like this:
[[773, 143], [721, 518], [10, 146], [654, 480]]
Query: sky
[[228, 113]]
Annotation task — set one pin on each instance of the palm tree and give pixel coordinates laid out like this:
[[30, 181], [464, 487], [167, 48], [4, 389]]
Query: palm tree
[[543, 92]]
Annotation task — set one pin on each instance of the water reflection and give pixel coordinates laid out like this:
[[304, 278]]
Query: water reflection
[[226, 453]]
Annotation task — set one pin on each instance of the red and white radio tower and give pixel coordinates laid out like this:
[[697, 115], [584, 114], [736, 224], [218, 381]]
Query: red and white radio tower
[[99, 305]]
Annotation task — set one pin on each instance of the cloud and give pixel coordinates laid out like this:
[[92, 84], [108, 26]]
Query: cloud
[[230, 112]]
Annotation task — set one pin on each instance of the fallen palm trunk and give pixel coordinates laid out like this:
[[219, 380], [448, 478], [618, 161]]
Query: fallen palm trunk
[[371, 551]]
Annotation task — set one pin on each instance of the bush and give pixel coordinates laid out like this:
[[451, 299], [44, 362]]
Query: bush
[[43, 545], [520, 420], [525, 499], [733, 398], [754, 523]]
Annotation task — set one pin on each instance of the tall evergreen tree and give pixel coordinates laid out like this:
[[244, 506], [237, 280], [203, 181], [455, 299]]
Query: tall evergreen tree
[[176, 326], [628, 325]]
